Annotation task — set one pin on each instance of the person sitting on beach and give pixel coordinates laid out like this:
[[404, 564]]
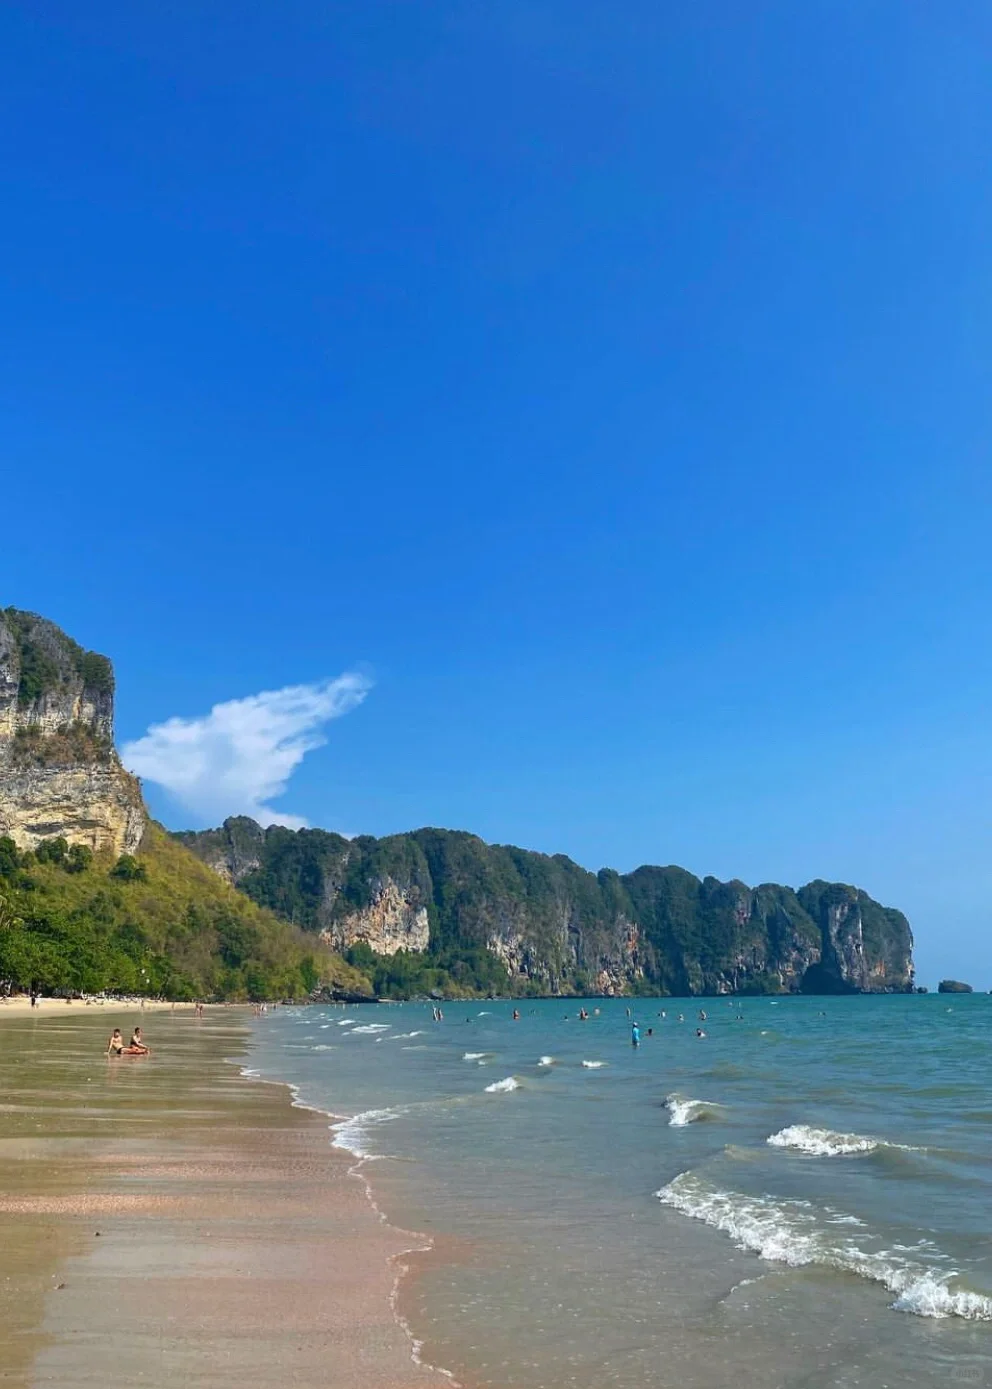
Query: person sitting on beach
[[137, 1046], [115, 1047]]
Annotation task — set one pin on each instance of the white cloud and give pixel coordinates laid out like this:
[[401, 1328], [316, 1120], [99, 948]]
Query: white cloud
[[242, 754]]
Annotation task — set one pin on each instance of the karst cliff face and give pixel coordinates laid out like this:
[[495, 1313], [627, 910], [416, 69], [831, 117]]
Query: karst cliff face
[[557, 928], [59, 772], [389, 923]]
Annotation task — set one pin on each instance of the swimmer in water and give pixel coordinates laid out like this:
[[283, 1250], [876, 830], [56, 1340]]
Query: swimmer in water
[[681, 1018], [516, 1015], [700, 1032], [635, 1035]]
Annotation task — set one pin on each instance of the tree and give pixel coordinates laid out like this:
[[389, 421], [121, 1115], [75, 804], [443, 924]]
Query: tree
[[10, 860], [52, 850], [78, 859], [129, 870]]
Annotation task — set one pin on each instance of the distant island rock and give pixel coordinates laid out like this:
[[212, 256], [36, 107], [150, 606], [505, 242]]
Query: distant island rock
[[441, 909], [954, 986]]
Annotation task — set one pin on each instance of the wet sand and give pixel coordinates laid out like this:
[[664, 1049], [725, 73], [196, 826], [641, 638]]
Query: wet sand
[[165, 1220]]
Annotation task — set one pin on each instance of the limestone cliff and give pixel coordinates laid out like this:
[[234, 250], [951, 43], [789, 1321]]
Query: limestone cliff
[[389, 923], [59, 772], [549, 926]]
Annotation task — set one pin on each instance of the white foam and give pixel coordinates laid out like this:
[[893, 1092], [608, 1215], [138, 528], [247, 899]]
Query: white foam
[[546, 1061], [498, 1087], [789, 1232], [347, 1022], [683, 1110], [593, 1065], [353, 1134], [802, 1138], [370, 1027], [474, 1056], [401, 1036]]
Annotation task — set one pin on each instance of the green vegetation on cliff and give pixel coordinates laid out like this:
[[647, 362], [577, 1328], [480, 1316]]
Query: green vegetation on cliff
[[159, 922], [507, 919], [47, 657]]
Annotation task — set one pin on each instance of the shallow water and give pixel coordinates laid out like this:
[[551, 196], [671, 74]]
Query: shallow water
[[621, 1218]]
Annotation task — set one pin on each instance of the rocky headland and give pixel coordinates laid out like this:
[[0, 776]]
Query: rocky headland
[[60, 775], [552, 927]]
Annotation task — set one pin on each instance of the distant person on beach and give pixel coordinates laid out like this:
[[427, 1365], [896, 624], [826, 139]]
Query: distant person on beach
[[115, 1047]]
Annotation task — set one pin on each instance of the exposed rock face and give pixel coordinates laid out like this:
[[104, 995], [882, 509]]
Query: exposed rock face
[[233, 851], [557, 928], [389, 923], [59, 772]]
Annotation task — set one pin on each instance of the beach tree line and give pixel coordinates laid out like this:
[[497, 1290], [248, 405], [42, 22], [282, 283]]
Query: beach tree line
[[156, 923]]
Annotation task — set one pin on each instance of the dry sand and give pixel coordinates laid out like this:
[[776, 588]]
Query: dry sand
[[166, 1221]]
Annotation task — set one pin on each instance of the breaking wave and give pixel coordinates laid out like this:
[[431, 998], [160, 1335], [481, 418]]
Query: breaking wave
[[794, 1233], [594, 1065], [499, 1086], [802, 1138], [546, 1061], [683, 1110], [370, 1027], [475, 1056], [353, 1134]]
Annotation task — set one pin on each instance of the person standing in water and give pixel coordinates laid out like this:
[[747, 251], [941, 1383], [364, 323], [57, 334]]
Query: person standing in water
[[635, 1035]]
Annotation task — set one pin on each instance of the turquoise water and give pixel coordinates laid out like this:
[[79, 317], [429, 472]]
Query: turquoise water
[[802, 1197]]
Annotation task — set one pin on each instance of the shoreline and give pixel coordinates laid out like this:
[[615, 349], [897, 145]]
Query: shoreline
[[177, 1216], [402, 1263]]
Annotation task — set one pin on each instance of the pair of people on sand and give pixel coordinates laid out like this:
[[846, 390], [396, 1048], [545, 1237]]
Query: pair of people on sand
[[136, 1047]]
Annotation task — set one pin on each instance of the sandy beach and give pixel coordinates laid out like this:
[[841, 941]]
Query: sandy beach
[[168, 1221]]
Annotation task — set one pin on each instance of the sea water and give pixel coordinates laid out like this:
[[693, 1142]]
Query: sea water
[[802, 1197]]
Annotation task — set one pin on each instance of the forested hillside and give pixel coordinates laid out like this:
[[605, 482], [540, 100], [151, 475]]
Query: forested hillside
[[157, 922], [444, 910]]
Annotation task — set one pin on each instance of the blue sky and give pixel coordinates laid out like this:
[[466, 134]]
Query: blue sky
[[604, 389]]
